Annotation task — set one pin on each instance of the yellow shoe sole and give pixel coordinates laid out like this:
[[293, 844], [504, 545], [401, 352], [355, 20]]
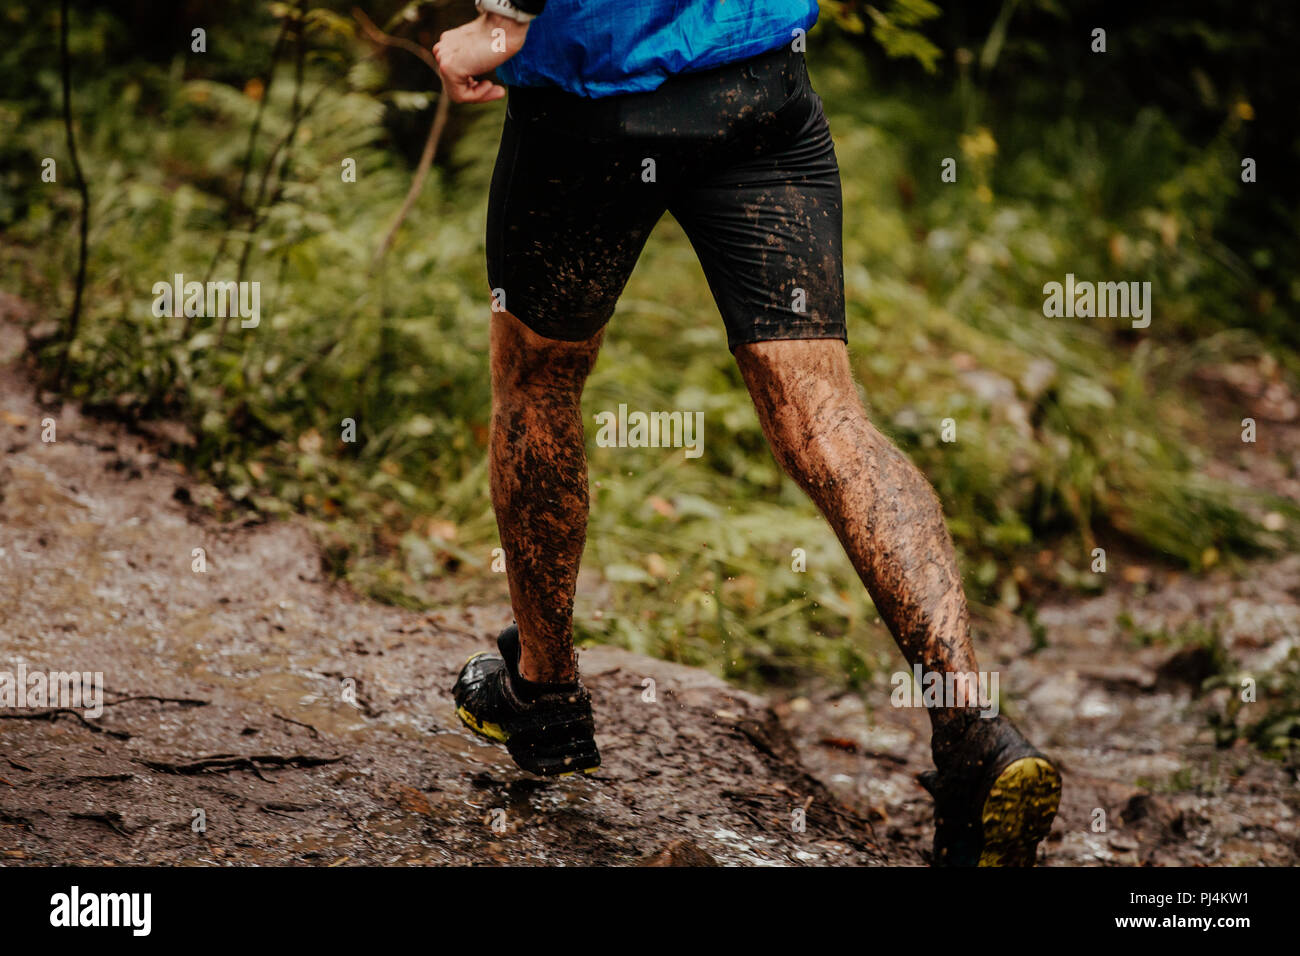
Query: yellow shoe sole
[[497, 734], [483, 728], [1019, 812]]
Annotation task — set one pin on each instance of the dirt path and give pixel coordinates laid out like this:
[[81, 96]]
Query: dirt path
[[1111, 687], [96, 545], [225, 693], [1132, 737]]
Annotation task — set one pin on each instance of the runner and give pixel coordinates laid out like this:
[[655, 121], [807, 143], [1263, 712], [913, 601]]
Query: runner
[[718, 97]]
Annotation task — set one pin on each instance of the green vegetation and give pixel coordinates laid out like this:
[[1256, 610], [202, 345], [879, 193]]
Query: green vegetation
[[1071, 433], [1277, 729]]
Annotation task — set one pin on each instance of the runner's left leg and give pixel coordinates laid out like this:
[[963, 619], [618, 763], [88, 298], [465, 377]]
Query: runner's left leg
[[766, 221], [879, 504]]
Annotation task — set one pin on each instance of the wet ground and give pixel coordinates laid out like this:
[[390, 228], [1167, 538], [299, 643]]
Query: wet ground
[[226, 702], [258, 712], [1144, 782], [1112, 687]]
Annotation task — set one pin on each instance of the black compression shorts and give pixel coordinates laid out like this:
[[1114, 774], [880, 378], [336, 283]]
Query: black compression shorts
[[742, 157]]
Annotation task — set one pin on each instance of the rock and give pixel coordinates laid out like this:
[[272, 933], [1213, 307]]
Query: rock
[[1189, 666], [171, 432], [679, 853], [1150, 810], [42, 332]]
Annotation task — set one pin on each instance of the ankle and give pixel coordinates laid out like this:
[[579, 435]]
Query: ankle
[[539, 672], [950, 724]]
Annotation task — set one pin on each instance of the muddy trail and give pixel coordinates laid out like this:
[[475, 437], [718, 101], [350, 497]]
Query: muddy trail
[[259, 712], [224, 694]]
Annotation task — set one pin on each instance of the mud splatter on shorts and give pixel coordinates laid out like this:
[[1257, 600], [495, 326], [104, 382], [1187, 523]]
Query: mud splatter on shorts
[[740, 155]]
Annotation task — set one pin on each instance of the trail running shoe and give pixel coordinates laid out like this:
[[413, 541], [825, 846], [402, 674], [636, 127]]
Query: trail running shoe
[[547, 728], [995, 796]]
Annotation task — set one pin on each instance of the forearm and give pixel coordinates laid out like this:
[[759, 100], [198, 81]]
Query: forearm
[[514, 31]]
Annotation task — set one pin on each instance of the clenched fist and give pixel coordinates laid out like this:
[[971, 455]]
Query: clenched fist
[[477, 47]]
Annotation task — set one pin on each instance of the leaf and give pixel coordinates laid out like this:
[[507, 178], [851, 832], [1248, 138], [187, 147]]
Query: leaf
[[627, 574]]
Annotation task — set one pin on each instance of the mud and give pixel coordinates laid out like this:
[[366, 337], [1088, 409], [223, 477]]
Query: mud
[[1132, 738], [1126, 718], [225, 695]]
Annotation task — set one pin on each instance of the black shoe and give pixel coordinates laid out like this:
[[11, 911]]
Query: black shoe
[[547, 728], [995, 796]]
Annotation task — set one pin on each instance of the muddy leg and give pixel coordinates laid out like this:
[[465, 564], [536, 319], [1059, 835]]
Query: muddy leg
[[539, 486], [882, 508]]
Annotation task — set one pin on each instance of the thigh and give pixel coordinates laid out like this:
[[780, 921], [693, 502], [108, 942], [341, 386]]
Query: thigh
[[568, 215], [767, 225]]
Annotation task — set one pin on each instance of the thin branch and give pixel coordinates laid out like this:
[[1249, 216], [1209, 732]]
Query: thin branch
[[431, 142], [74, 320], [225, 763], [247, 169], [417, 182], [296, 114], [183, 701], [289, 720], [384, 39], [56, 712]]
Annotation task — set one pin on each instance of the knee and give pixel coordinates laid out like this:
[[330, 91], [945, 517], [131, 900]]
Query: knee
[[808, 405], [816, 448], [524, 364]]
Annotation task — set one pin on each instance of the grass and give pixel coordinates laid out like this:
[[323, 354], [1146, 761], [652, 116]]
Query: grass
[[1070, 434]]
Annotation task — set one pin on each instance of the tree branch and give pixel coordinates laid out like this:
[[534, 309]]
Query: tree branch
[[431, 142], [74, 320]]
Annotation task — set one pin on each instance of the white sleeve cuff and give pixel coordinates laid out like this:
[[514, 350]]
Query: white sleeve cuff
[[504, 8]]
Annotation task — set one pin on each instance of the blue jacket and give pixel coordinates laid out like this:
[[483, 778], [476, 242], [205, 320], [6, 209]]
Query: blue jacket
[[603, 47]]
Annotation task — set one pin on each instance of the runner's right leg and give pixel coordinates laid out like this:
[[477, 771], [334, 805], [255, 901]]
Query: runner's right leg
[[528, 696], [539, 486]]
